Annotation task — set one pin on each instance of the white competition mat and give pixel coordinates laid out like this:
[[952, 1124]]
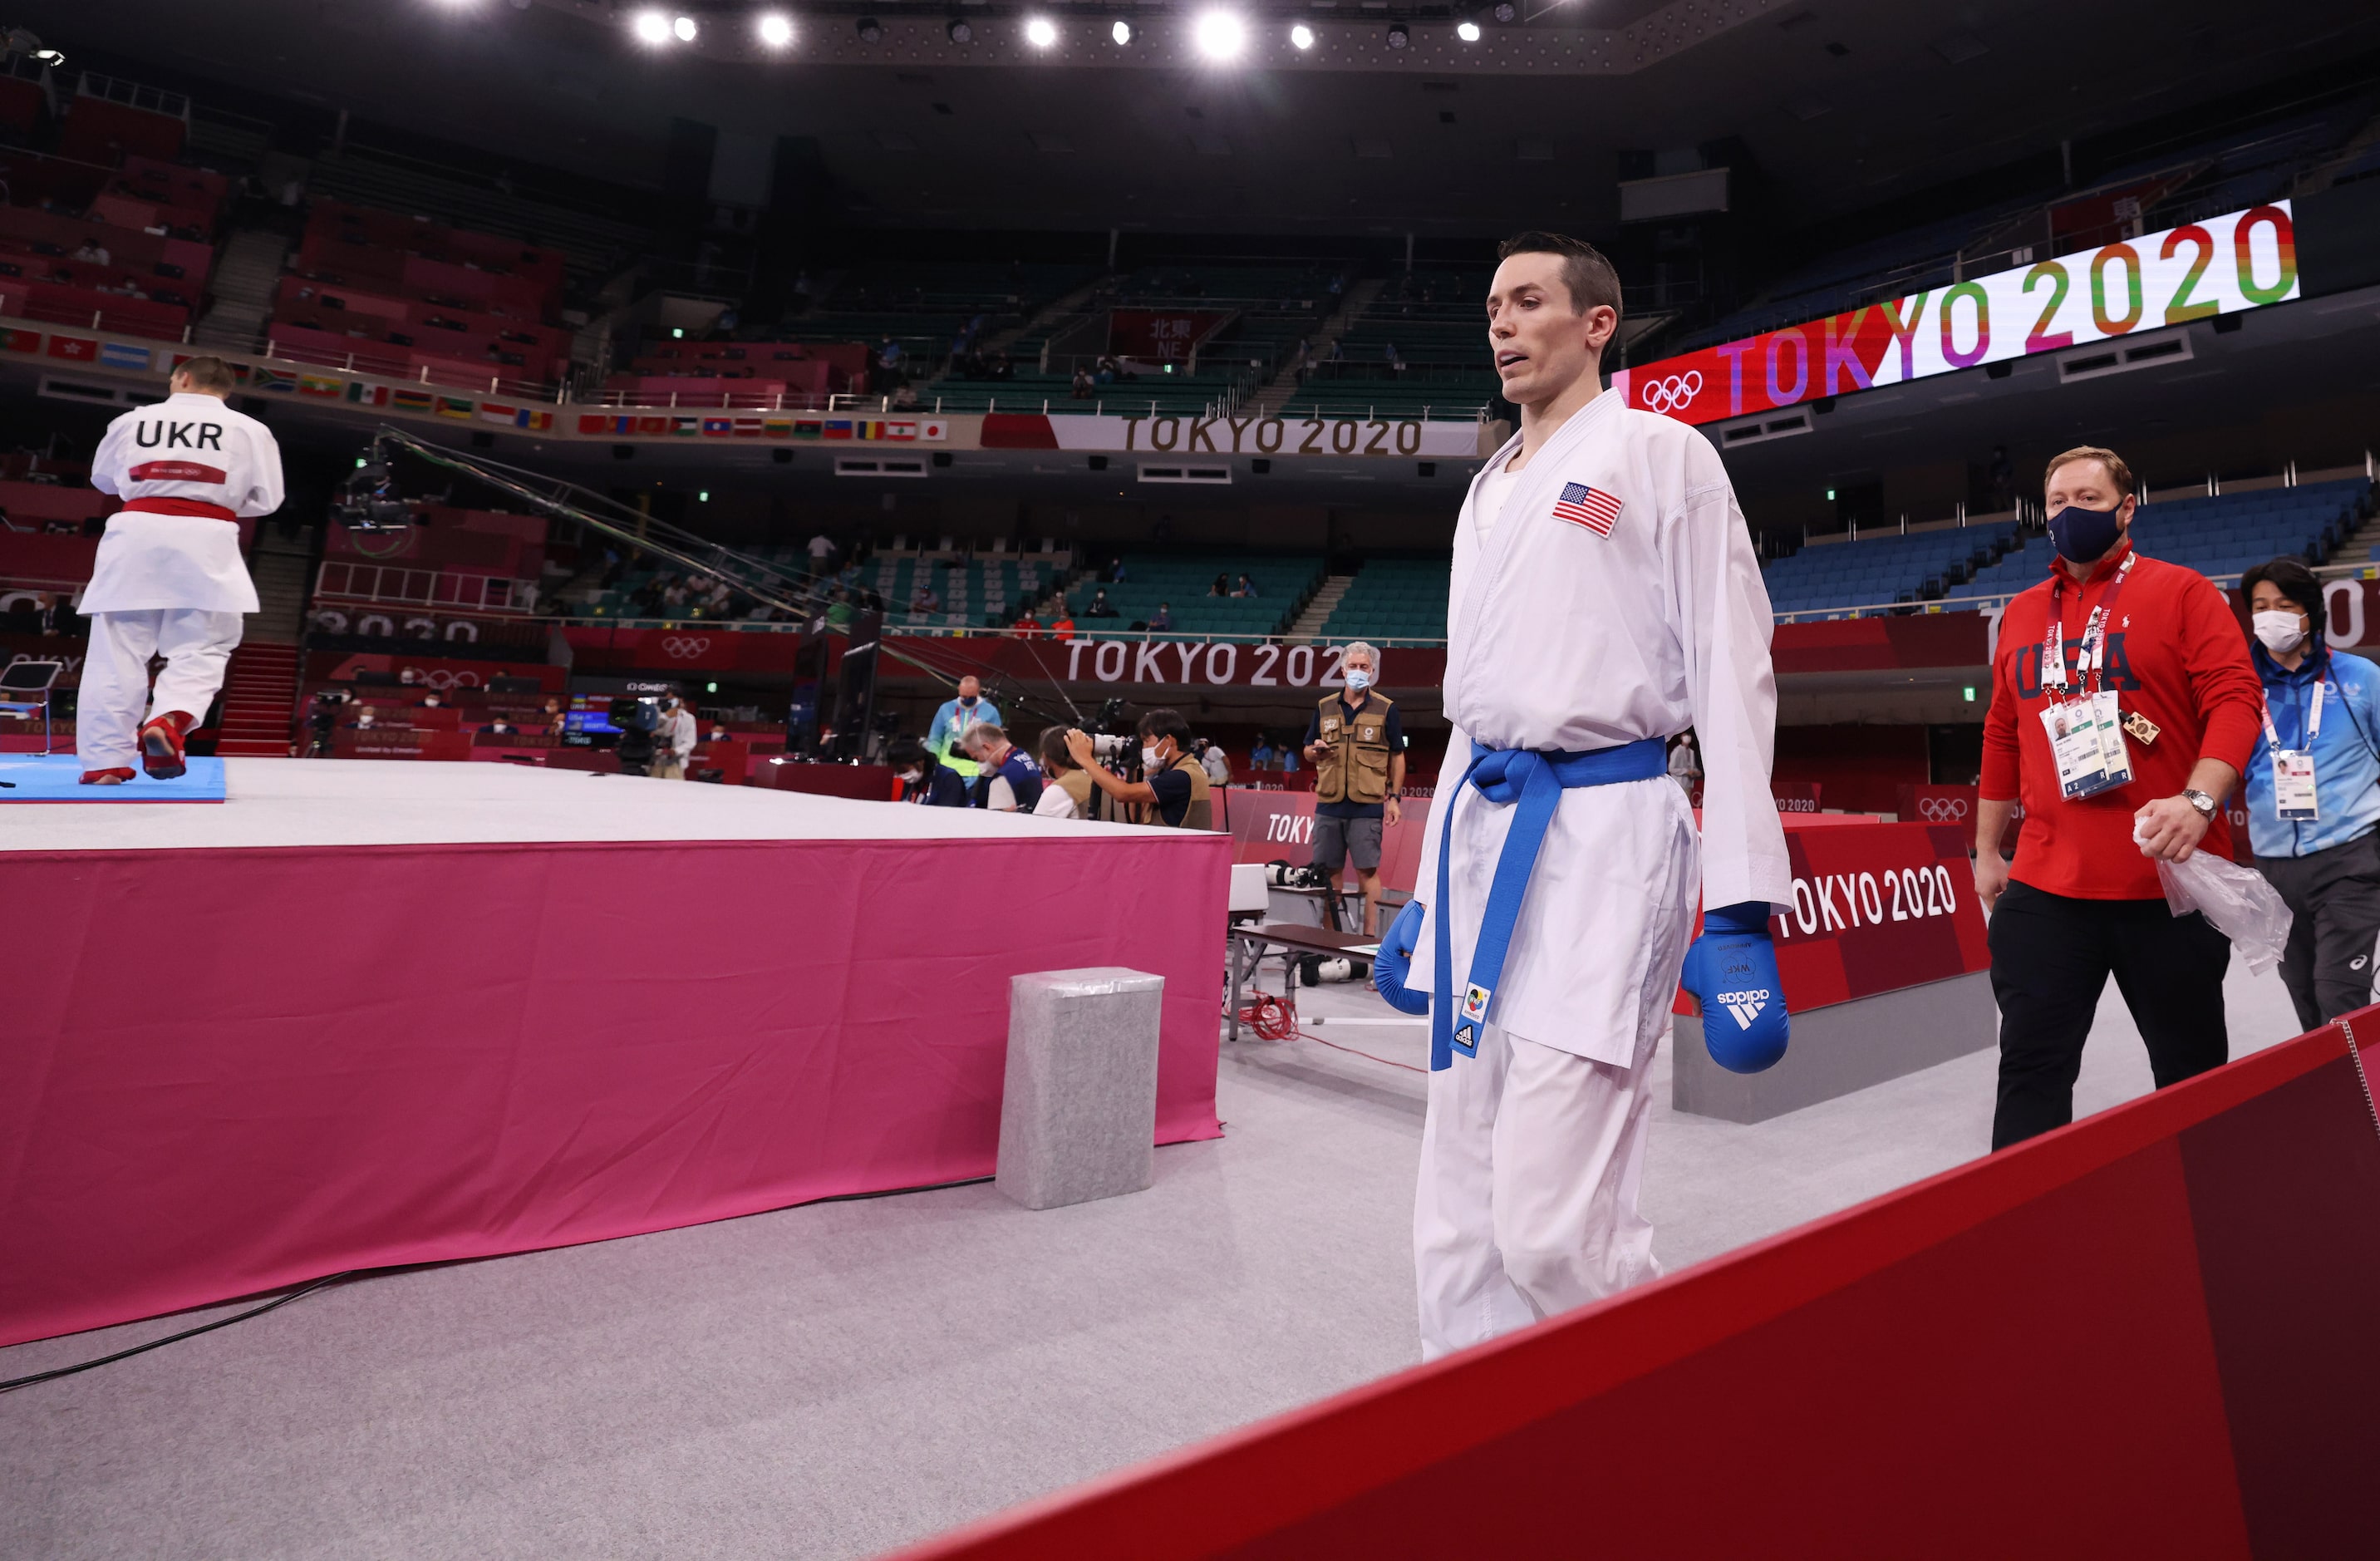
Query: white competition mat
[[402, 803]]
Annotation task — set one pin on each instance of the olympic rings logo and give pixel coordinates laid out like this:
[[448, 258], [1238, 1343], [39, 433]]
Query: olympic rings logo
[[1941, 810], [1673, 394], [442, 679], [685, 648]]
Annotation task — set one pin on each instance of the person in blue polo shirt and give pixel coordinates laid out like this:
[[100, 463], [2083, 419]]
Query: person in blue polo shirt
[[2313, 793], [1006, 779]]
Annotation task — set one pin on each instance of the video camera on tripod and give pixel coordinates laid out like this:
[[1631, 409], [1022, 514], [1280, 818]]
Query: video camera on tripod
[[368, 500], [638, 719]]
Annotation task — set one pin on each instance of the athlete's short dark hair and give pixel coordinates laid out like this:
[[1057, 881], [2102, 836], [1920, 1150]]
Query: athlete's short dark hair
[[1585, 272], [207, 373]]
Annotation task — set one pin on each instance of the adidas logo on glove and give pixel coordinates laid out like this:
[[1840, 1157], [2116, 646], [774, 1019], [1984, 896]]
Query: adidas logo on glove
[[1731, 968], [1744, 1005]]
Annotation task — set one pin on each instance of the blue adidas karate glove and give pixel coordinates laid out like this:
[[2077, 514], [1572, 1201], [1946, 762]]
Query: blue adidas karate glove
[[1394, 962], [1731, 971]]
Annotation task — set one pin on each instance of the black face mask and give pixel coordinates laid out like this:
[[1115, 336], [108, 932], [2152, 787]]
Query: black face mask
[[968, 700], [2083, 535]]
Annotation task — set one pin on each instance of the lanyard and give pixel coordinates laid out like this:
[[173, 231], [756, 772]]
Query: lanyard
[[2095, 630], [2313, 716]]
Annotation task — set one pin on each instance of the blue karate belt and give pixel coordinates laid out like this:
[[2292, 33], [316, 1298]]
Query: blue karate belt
[[1535, 781]]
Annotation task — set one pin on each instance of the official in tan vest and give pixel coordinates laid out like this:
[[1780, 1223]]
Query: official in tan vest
[[1175, 792], [1356, 743]]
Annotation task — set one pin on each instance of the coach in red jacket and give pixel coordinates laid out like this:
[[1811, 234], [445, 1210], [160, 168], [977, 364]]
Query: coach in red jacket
[[2146, 716]]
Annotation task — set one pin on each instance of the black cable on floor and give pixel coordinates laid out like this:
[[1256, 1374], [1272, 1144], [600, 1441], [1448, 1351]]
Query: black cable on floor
[[15, 1383]]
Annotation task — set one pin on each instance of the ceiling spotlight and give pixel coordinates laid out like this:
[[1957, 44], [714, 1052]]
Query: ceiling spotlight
[[1398, 36], [651, 27], [1505, 11], [1040, 31], [1467, 30], [1121, 33], [960, 31], [776, 31], [684, 27], [870, 30], [1220, 35], [1301, 37]]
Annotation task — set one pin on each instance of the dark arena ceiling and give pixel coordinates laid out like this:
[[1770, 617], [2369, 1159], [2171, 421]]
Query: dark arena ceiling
[[1834, 105]]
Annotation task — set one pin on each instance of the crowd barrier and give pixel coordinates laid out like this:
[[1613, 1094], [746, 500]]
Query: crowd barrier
[[2148, 1334]]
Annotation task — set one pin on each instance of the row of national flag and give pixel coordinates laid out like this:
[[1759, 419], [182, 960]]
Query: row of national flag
[[272, 379], [771, 425]]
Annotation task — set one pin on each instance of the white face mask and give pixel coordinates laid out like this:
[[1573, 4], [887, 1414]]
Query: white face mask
[[1358, 680], [1148, 758], [2281, 632], [913, 776]]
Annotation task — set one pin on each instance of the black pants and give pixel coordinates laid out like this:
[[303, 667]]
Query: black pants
[[2051, 957], [2334, 901]]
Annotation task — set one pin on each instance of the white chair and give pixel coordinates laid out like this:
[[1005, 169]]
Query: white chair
[[27, 686]]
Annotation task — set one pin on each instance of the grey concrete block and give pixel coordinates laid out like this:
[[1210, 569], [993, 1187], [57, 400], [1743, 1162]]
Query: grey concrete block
[[1840, 1049], [1078, 1113]]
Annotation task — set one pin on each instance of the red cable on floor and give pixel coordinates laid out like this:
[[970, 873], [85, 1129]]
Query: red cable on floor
[[1273, 1019], [1385, 1062]]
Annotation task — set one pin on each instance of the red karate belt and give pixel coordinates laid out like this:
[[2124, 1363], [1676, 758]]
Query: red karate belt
[[198, 508]]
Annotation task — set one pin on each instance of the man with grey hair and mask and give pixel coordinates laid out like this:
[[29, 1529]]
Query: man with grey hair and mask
[[1356, 742]]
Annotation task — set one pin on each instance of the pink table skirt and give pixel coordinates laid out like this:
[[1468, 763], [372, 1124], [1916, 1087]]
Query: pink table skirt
[[215, 1084]]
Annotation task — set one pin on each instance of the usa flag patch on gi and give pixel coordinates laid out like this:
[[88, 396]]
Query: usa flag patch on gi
[[1590, 507]]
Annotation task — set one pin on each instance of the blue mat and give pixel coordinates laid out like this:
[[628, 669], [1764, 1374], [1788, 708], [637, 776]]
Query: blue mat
[[35, 777]]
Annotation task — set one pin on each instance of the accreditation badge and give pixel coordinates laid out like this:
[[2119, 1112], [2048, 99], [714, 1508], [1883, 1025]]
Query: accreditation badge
[[2074, 731], [2293, 793], [2115, 758]]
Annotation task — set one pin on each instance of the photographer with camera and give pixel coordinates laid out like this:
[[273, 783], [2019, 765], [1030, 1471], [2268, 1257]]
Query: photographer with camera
[[1175, 792], [1067, 790]]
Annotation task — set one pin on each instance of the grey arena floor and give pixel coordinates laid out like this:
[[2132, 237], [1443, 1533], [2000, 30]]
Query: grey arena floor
[[836, 1380]]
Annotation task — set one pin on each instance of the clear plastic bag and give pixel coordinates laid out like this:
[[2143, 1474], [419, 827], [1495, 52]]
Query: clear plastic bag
[[2238, 900]]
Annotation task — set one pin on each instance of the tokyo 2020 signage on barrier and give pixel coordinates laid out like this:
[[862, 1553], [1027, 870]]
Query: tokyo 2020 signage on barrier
[[1877, 908], [2242, 260]]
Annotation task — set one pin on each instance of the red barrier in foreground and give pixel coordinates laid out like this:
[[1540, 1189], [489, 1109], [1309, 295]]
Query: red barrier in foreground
[[2147, 1334]]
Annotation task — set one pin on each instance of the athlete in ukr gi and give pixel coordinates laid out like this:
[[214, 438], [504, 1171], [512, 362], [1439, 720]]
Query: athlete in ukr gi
[[169, 580]]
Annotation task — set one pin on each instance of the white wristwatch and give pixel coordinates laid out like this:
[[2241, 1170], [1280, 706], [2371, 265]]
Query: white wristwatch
[[2199, 800]]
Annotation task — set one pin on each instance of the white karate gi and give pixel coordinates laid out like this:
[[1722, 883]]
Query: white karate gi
[[1560, 638], [169, 580]]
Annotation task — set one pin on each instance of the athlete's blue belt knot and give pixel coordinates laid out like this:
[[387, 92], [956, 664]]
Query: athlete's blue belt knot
[[1535, 781]]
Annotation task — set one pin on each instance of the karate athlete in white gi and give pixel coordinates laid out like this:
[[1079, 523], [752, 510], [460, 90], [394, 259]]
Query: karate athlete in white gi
[[169, 578], [1605, 597]]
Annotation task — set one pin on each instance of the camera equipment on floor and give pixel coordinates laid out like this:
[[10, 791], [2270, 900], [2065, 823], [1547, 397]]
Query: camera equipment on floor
[[1315, 970], [1281, 875]]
